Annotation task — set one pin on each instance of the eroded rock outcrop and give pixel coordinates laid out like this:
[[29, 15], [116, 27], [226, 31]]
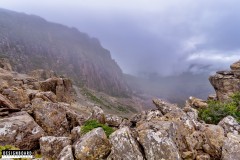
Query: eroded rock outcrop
[[62, 87], [226, 83]]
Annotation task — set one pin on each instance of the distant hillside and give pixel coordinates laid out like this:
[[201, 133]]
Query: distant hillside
[[31, 42], [175, 89]]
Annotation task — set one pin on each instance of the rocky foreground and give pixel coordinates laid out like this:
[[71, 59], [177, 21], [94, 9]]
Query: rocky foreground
[[37, 113]]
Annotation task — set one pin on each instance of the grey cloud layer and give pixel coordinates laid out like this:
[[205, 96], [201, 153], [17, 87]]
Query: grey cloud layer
[[152, 36]]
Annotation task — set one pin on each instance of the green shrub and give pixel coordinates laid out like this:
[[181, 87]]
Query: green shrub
[[91, 124], [216, 110]]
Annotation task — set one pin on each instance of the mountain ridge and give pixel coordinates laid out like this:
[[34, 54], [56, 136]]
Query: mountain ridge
[[31, 42]]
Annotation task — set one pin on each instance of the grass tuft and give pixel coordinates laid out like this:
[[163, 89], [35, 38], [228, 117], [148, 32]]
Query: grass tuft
[[91, 124]]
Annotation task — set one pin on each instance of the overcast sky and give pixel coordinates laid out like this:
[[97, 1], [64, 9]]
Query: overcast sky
[[163, 36]]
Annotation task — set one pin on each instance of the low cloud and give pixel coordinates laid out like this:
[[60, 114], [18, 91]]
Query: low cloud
[[166, 37]]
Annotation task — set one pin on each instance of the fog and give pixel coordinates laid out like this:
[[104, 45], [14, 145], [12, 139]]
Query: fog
[[157, 36]]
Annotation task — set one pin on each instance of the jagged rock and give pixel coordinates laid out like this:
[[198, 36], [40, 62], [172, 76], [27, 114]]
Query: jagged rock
[[124, 146], [163, 106], [196, 102], [5, 64], [51, 146], [76, 133], [4, 102], [98, 114], [235, 65], [51, 117], [230, 124], [62, 87], [42, 74], [214, 140], [231, 147], [157, 145], [113, 120], [17, 96], [19, 129], [66, 153], [93, 145]]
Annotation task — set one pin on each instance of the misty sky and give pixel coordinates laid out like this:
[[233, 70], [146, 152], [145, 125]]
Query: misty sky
[[166, 37]]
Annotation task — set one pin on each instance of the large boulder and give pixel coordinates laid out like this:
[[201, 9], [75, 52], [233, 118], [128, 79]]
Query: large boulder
[[62, 87], [51, 146], [214, 140], [93, 145], [231, 147], [230, 124], [124, 146], [20, 129], [158, 145], [51, 117]]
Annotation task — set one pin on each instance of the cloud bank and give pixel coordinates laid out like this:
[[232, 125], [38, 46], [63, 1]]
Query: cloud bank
[[158, 36]]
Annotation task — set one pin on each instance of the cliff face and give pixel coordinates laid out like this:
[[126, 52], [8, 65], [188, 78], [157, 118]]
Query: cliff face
[[31, 42]]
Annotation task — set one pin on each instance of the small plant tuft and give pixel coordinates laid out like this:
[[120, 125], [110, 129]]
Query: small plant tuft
[[91, 124]]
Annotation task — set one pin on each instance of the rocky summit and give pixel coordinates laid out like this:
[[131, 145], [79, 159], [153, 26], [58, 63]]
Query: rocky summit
[[37, 113]]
